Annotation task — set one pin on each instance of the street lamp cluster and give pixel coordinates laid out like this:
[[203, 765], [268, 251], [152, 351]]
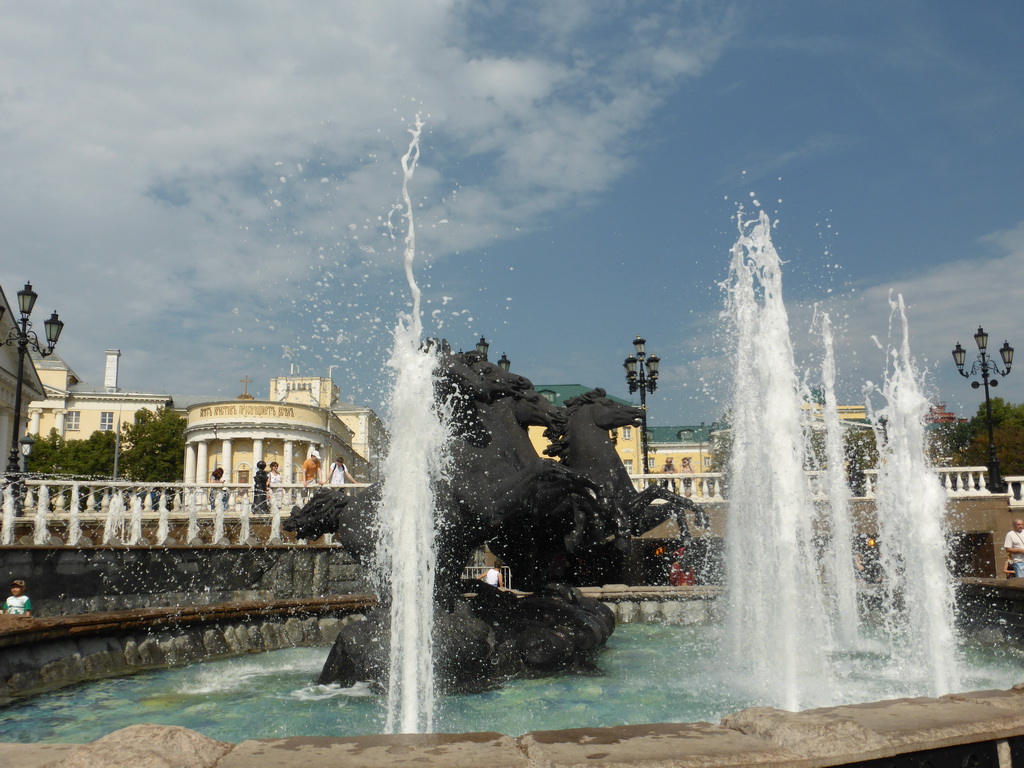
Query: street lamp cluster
[[642, 374], [986, 367], [22, 335], [482, 346]]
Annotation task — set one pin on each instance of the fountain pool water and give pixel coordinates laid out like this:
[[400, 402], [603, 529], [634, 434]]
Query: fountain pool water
[[649, 673]]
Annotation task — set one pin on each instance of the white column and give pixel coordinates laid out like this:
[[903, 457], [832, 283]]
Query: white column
[[257, 451], [289, 461], [227, 461], [203, 463], [33, 419], [190, 463], [59, 413]]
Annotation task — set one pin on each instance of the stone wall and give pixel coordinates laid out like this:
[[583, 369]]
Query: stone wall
[[64, 581], [36, 667]]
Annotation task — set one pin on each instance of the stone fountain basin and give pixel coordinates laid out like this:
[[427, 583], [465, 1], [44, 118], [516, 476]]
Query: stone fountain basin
[[978, 728]]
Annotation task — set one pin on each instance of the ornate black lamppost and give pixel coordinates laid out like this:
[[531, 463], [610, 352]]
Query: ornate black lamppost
[[642, 374], [24, 337], [985, 366], [482, 346]]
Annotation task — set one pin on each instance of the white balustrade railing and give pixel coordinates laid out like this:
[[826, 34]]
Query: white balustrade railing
[[81, 512], [1015, 489], [701, 487], [707, 487]]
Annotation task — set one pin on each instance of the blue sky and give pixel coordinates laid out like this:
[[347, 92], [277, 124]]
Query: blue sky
[[206, 186]]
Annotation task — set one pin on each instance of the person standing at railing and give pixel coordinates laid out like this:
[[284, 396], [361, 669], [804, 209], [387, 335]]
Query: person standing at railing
[[311, 469], [669, 469], [340, 474], [1014, 546], [259, 488], [686, 466], [274, 485], [493, 577], [217, 477]]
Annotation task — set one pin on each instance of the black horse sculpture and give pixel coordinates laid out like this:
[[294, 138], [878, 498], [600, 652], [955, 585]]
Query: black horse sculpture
[[584, 444], [537, 514]]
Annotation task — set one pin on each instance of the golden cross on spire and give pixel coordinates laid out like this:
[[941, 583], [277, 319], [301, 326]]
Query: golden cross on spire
[[245, 395]]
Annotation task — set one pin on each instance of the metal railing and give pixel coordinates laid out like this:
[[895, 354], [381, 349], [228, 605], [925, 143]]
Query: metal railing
[[56, 512]]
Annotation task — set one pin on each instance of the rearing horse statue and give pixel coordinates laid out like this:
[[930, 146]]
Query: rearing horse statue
[[585, 445]]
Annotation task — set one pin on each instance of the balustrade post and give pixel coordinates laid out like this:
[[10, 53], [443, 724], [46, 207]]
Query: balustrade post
[[29, 506], [7, 534], [41, 531], [192, 534], [243, 521], [135, 527], [163, 527], [74, 535]]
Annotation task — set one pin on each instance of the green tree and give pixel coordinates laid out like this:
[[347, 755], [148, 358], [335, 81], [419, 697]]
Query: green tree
[[947, 443], [153, 448], [859, 450], [1007, 434], [93, 457]]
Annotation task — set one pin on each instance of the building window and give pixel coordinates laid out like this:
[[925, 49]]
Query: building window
[[627, 433], [628, 463], [106, 421], [72, 421]]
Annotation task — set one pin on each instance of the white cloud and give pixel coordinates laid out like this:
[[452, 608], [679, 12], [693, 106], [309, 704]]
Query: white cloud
[[168, 161], [945, 304]]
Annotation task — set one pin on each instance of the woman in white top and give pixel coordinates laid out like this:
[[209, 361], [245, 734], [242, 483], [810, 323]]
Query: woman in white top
[[274, 482]]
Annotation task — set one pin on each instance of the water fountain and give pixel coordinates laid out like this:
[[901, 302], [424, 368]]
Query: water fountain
[[918, 604], [839, 547], [776, 614], [405, 557], [113, 528], [789, 625], [786, 626]]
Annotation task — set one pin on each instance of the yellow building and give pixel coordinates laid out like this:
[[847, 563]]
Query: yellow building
[[77, 409], [846, 412], [301, 413], [368, 435], [683, 449], [627, 439], [236, 434]]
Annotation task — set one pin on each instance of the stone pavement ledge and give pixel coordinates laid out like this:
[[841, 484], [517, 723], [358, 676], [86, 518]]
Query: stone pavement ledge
[[660, 745], [859, 732], [33, 755], [759, 736], [469, 750]]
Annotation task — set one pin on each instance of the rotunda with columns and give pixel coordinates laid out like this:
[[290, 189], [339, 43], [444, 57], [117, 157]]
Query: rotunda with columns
[[236, 434]]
